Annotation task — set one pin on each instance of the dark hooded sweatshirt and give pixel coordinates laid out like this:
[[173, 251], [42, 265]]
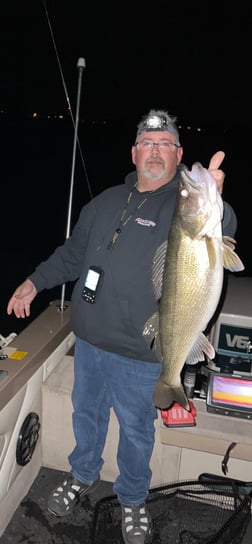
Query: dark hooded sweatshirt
[[125, 298]]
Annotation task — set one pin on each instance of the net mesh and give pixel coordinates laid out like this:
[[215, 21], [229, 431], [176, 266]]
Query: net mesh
[[184, 512]]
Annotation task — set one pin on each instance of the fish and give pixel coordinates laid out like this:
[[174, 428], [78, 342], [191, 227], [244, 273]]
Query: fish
[[187, 275]]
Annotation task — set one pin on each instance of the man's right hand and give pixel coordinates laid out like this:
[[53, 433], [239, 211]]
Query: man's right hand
[[21, 299]]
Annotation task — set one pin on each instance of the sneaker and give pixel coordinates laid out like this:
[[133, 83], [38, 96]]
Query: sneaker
[[136, 524], [63, 498]]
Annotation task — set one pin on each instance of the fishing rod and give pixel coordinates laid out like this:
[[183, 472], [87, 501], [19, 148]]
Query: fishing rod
[[81, 64], [67, 97], [76, 142]]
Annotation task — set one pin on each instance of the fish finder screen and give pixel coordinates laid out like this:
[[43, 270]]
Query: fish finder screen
[[230, 393]]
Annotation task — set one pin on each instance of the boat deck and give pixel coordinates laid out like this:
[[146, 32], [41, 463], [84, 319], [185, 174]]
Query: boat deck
[[32, 523], [39, 381]]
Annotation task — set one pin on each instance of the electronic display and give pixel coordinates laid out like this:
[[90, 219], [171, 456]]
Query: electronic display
[[229, 394]]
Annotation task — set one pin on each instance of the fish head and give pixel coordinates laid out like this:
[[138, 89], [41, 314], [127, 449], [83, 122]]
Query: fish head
[[199, 206]]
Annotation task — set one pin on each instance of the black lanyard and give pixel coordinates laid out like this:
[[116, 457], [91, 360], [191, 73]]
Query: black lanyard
[[124, 221]]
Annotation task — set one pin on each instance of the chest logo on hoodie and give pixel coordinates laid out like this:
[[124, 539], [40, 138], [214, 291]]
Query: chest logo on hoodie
[[145, 222]]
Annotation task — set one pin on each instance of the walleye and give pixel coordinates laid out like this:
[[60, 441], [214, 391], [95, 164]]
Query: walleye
[[188, 279]]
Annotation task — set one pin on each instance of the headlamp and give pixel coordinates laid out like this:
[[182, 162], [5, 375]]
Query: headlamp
[[158, 121], [154, 122]]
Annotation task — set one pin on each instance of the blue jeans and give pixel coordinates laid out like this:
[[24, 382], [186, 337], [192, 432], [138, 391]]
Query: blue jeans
[[104, 380]]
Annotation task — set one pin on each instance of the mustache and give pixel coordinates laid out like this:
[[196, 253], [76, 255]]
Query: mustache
[[156, 159]]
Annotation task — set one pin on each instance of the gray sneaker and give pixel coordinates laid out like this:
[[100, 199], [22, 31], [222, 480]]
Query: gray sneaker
[[63, 498], [136, 524]]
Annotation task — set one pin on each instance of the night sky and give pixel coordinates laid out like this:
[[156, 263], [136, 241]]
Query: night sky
[[187, 57], [184, 57]]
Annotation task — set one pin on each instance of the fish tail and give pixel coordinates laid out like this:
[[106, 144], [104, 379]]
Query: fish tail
[[165, 395]]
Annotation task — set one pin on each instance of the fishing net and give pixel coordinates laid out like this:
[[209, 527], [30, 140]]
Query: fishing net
[[203, 511]]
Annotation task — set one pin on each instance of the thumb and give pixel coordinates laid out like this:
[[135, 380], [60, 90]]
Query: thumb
[[216, 160]]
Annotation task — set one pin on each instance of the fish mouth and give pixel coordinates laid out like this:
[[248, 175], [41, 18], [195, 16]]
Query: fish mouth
[[198, 183], [191, 181], [199, 180], [193, 196], [200, 203]]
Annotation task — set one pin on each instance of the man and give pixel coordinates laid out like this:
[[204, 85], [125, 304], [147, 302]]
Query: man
[[114, 242]]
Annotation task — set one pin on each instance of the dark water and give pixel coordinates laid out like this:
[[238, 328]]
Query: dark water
[[36, 172]]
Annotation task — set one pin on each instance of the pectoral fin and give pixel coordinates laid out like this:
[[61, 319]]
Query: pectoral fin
[[231, 261], [151, 334], [211, 250], [201, 348]]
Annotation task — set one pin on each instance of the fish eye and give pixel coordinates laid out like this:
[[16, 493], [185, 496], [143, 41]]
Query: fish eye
[[184, 193]]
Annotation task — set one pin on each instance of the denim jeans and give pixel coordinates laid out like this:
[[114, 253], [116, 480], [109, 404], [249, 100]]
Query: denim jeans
[[104, 380]]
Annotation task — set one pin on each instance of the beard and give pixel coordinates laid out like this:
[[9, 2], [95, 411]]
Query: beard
[[154, 174]]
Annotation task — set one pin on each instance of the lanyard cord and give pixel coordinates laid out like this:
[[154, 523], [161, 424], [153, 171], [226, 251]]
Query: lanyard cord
[[123, 221]]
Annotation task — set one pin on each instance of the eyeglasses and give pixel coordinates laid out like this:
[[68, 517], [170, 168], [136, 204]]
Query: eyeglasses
[[164, 145]]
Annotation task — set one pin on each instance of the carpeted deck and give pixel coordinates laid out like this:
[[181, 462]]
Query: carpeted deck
[[97, 519], [33, 524]]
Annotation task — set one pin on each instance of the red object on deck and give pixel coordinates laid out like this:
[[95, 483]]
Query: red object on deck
[[176, 416]]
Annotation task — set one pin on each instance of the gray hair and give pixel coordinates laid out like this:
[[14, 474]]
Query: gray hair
[[158, 120]]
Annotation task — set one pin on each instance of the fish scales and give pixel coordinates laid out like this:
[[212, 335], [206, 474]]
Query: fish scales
[[189, 295], [192, 280]]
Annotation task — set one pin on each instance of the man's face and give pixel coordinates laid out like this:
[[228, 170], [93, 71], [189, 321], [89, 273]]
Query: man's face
[[156, 155]]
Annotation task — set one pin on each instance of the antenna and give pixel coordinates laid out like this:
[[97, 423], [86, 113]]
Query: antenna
[[80, 65]]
